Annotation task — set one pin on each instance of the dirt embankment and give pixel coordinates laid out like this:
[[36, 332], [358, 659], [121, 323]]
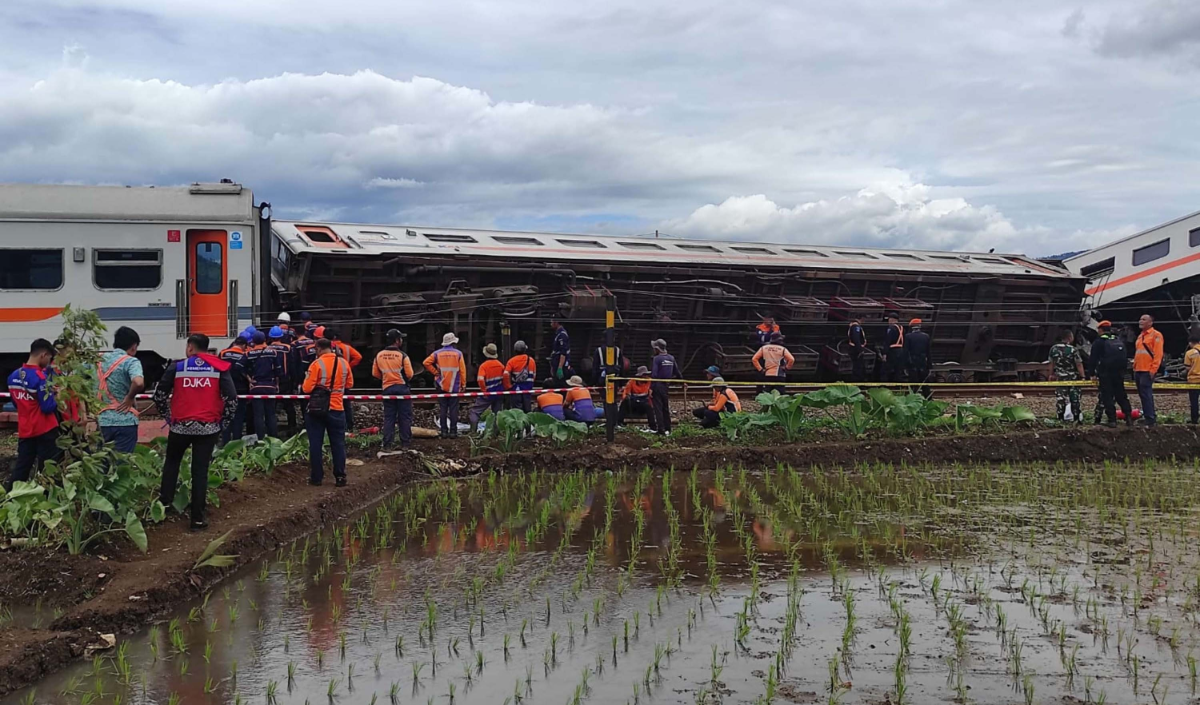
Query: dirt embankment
[[119, 590]]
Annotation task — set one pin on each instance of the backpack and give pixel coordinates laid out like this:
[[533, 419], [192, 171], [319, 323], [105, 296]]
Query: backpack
[[321, 396]]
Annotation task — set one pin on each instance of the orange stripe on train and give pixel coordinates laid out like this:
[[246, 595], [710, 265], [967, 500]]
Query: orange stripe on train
[[27, 315]]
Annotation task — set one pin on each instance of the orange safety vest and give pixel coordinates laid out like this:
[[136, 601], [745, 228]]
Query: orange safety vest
[[900, 340], [103, 375]]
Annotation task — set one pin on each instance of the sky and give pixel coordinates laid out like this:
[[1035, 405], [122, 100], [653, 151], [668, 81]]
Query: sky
[[1026, 126]]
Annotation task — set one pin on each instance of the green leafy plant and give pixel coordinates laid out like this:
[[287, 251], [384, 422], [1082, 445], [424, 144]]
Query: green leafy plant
[[210, 558], [561, 432], [786, 410]]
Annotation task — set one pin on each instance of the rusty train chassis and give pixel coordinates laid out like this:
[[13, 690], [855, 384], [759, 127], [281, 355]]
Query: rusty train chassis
[[707, 314]]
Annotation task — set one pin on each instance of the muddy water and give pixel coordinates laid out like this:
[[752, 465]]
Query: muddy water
[[881, 585]]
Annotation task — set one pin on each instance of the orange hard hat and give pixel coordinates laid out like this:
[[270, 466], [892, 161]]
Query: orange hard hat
[[915, 322], [1106, 324], [319, 332]]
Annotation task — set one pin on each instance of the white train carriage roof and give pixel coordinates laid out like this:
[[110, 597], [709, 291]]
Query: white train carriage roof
[[358, 239], [1138, 263], [198, 203]]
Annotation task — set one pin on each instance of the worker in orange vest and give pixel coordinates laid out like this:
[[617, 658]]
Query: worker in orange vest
[[449, 370], [350, 355], [550, 401], [491, 379], [330, 372], [765, 330], [393, 368], [773, 362], [636, 399], [895, 349], [520, 373], [1147, 360], [724, 401], [577, 403]]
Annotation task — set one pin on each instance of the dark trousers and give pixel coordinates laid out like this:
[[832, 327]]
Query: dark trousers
[[1145, 390], [858, 367], [237, 426], [31, 454], [397, 411], [708, 417], [918, 376], [123, 438], [333, 424], [895, 365], [661, 405], [1112, 394], [522, 401], [202, 453], [781, 377], [632, 406], [482, 404], [1194, 399], [448, 416], [348, 409], [265, 422]]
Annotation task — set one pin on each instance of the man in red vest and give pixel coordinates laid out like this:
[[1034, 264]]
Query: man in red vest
[[196, 396], [37, 412]]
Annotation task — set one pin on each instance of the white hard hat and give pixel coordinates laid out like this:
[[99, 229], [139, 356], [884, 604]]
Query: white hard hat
[[284, 317]]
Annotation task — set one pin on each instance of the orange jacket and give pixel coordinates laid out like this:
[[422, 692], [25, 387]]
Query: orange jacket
[[517, 366], [1191, 361], [392, 366], [350, 354], [449, 369], [321, 371], [722, 399], [574, 394], [636, 387], [1149, 351], [491, 376], [771, 357]]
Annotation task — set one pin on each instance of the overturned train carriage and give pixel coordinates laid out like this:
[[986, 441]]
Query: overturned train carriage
[[704, 297]]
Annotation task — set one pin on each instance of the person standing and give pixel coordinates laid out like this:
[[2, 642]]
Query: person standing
[[773, 362], [120, 377], [331, 373], [1068, 367], [304, 353], [196, 396], [895, 351], [37, 413], [1147, 359], [856, 342], [765, 330], [393, 368], [284, 321], [235, 357], [560, 353], [449, 370], [350, 355], [724, 401], [600, 371], [491, 379], [664, 367], [1108, 363], [287, 376], [265, 369], [520, 372], [1191, 361], [577, 403], [916, 356]]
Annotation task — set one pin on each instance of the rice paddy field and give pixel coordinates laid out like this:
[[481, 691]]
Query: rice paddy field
[[1003, 584]]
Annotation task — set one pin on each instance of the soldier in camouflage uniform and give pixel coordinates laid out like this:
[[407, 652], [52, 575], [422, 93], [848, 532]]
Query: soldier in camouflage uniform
[[1068, 366]]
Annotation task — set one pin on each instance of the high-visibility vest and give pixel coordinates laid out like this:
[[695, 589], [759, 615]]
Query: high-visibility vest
[[900, 338]]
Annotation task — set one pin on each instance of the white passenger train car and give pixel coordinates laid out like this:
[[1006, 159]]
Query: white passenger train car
[[1132, 267], [164, 261]]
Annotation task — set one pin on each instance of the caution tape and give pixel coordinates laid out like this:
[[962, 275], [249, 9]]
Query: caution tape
[[822, 385], [377, 397]]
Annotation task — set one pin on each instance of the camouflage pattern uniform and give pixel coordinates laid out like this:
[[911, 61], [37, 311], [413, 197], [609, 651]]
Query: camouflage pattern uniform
[[1066, 359]]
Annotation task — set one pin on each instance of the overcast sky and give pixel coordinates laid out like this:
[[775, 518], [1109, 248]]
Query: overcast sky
[[1028, 125]]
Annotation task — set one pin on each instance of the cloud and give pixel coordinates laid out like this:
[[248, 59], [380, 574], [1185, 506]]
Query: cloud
[[1158, 28]]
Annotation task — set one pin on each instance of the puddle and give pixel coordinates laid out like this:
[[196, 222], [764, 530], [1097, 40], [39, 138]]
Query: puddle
[[1002, 585]]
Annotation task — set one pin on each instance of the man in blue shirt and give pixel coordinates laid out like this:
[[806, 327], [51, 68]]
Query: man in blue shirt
[[560, 353], [664, 367], [121, 380]]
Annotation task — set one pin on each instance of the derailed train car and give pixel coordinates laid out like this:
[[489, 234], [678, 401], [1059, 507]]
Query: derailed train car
[[171, 261], [986, 311]]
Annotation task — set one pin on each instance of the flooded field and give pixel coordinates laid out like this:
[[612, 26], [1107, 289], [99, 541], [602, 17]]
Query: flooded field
[[1033, 584]]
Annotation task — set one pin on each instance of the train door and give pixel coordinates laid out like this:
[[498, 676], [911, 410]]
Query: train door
[[208, 267]]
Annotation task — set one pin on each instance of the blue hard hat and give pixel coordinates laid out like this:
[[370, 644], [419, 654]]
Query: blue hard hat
[[276, 332], [259, 338]]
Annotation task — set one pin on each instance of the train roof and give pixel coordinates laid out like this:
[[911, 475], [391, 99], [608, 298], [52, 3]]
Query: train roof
[[338, 239], [219, 202]]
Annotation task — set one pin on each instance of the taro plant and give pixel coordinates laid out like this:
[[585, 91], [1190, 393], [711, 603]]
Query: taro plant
[[786, 410], [508, 427], [560, 432]]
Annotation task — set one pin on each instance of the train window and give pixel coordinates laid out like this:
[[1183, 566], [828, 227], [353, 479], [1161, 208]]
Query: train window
[[1151, 252], [752, 250], [318, 236], [642, 245], [698, 248], [901, 255], [31, 269], [991, 260], [447, 237], [582, 243], [1098, 269], [127, 269], [855, 255], [511, 240], [1194, 237], [950, 258], [210, 275], [806, 253]]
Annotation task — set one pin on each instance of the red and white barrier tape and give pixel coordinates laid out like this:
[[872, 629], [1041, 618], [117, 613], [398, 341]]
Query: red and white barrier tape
[[378, 397]]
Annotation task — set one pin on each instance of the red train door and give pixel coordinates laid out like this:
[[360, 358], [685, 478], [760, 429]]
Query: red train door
[[208, 302]]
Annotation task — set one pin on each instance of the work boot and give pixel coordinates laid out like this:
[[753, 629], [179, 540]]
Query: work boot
[[198, 525], [340, 482], [1111, 424]]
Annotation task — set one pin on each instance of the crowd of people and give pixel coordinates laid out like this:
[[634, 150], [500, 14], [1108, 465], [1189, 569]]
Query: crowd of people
[[208, 400]]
